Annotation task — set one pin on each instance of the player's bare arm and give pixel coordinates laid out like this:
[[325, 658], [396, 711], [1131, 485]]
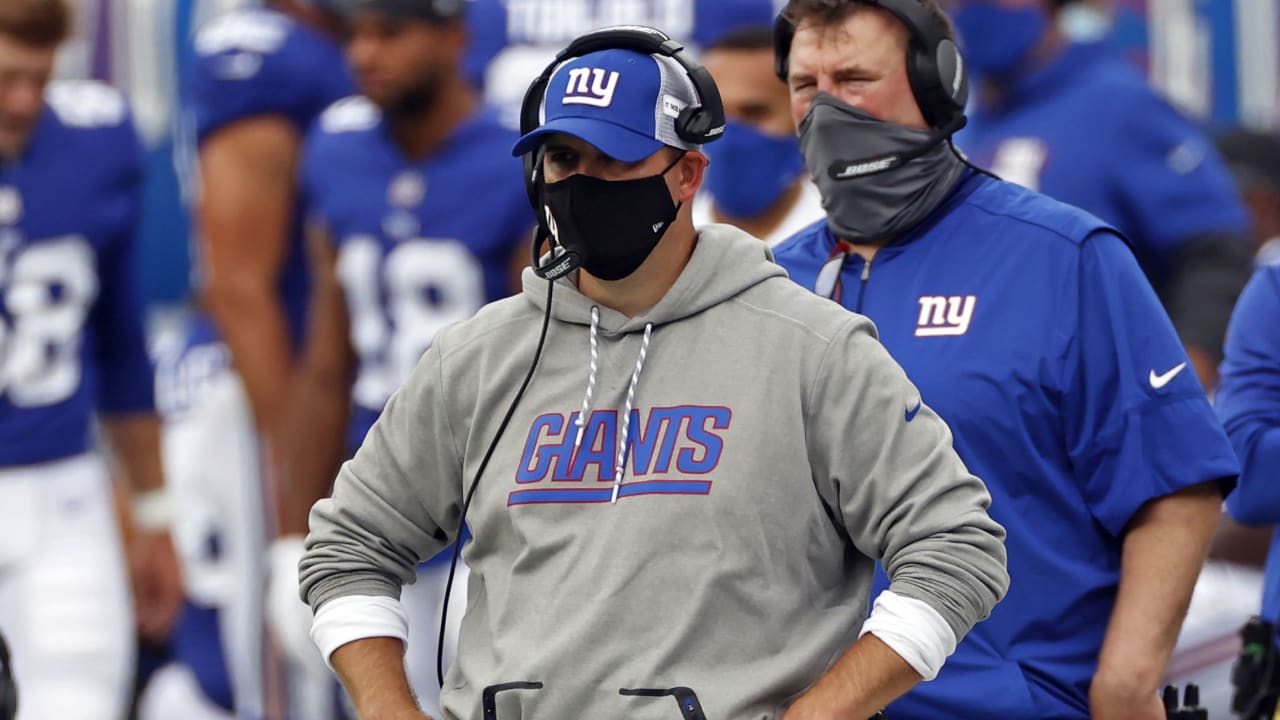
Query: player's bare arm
[[1163, 550], [316, 413], [247, 193], [135, 441], [319, 394]]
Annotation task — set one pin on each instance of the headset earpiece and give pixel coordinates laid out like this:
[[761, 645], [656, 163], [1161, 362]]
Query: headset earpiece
[[693, 122], [938, 81], [704, 123]]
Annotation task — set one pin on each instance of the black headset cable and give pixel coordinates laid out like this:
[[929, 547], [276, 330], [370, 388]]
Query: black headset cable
[[475, 482]]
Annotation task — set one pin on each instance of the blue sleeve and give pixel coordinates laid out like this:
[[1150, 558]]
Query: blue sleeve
[[1172, 184], [486, 36], [1248, 399], [296, 80], [1137, 423], [126, 377]]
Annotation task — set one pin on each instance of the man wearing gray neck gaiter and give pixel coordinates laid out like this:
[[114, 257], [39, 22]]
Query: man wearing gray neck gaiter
[[1030, 328]]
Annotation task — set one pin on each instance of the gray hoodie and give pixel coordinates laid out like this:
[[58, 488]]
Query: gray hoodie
[[773, 456]]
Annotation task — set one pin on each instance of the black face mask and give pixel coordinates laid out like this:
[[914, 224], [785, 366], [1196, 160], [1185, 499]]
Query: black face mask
[[612, 225]]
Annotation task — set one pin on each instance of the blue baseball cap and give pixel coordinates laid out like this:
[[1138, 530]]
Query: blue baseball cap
[[623, 102]]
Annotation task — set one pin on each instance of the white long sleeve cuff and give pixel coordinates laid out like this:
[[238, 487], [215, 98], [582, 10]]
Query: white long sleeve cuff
[[356, 617], [913, 630]]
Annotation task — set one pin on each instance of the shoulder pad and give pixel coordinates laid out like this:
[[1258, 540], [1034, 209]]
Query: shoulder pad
[[350, 114], [86, 103], [255, 32]]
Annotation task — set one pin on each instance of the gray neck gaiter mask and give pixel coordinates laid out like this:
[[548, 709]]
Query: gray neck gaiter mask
[[877, 179]]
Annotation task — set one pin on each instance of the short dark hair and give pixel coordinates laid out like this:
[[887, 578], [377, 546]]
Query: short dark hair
[[1252, 157], [832, 12], [751, 37], [39, 23]]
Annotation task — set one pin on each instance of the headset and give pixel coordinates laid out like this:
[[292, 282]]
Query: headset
[[934, 65], [8, 688], [697, 124]]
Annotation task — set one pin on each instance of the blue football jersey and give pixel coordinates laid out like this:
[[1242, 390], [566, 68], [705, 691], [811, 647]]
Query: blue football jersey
[[1028, 326], [1248, 401], [1087, 130], [71, 336], [513, 40], [421, 245], [259, 62]]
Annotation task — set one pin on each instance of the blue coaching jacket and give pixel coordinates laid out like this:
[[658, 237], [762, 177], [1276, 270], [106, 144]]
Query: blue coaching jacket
[[1030, 329], [1248, 402]]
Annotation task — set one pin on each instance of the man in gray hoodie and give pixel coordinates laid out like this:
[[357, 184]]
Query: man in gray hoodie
[[689, 496]]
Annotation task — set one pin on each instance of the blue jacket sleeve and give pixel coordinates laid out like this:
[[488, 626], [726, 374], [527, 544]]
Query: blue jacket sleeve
[[126, 383], [1173, 185], [1248, 398], [1137, 423]]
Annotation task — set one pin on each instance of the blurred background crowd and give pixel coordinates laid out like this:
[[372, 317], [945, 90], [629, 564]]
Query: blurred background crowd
[[1216, 60]]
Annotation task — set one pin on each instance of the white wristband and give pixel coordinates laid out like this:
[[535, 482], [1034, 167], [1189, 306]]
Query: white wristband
[[913, 630], [152, 510], [356, 617]]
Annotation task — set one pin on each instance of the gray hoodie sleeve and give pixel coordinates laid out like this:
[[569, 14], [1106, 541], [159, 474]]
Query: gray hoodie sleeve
[[894, 479], [396, 503]]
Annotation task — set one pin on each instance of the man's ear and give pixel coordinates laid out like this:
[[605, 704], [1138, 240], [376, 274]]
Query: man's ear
[[692, 166]]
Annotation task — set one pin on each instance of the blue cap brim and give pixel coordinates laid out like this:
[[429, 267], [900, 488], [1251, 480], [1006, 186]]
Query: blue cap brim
[[615, 141]]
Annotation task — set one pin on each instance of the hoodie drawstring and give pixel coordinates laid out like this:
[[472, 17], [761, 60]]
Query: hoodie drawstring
[[620, 467], [591, 378]]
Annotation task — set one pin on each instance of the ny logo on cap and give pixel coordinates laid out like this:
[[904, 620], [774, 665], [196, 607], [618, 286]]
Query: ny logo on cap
[[590, 86]]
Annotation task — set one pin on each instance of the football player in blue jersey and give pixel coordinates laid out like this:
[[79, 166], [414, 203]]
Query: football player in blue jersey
[[756, 180], [1028, 324], [512, 39], [1075, 121], [73, 361], [258, 80], [1248, 402], [423, 220]]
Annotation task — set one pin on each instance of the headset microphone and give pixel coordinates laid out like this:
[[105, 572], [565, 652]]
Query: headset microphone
[[563, 260], [561, 263]]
